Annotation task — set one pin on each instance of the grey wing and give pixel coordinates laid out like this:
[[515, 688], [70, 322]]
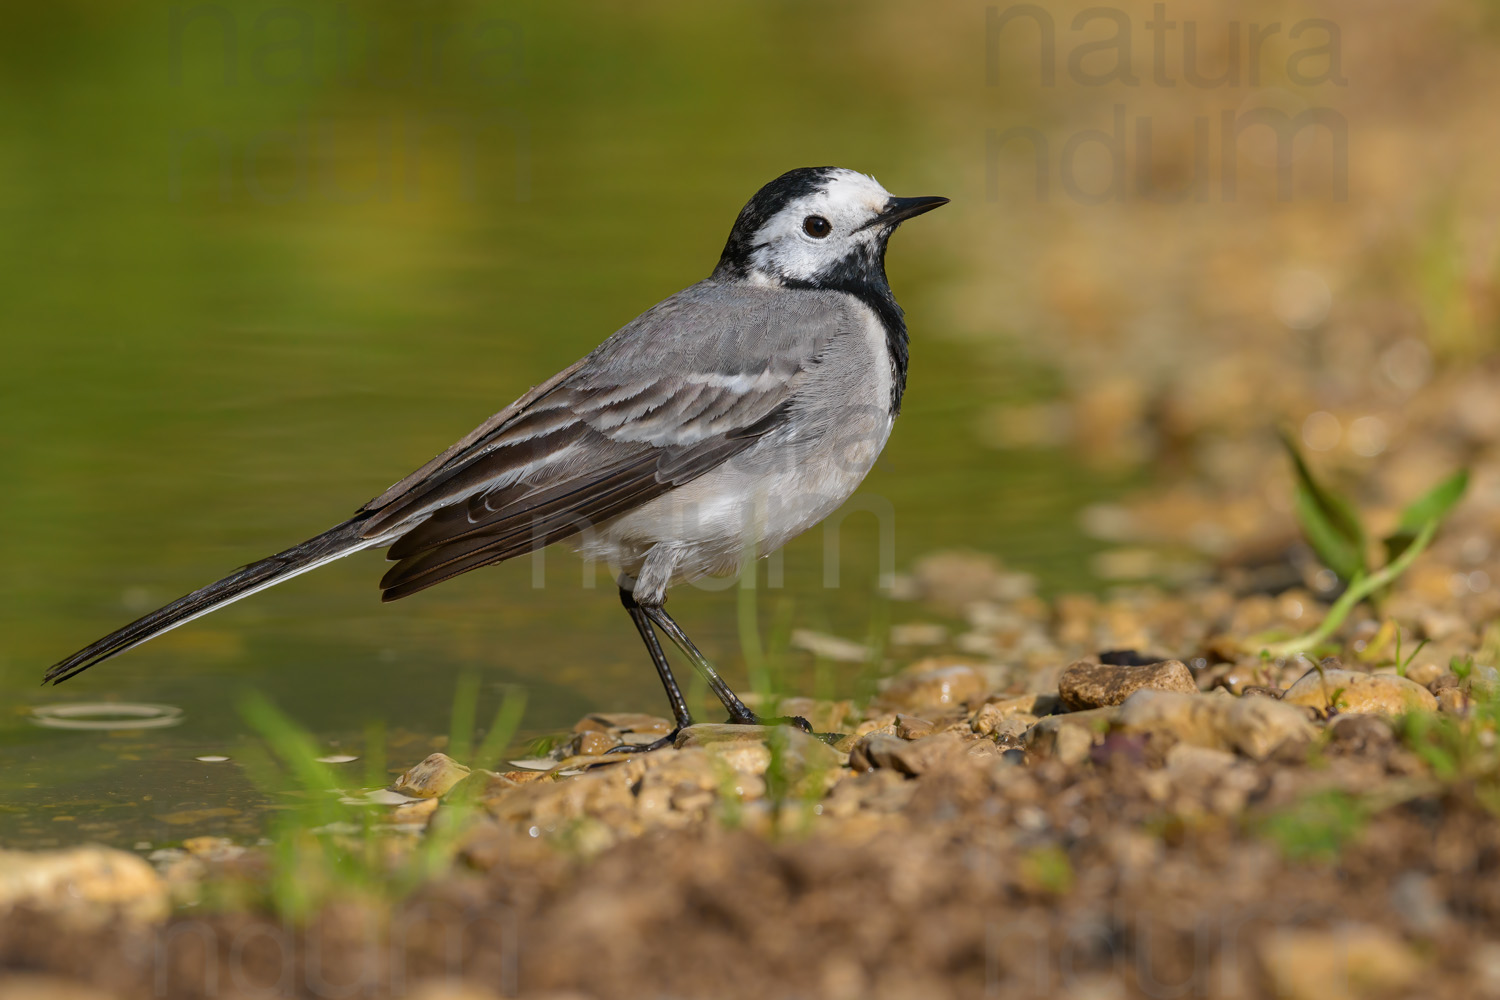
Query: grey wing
[[676, 393]]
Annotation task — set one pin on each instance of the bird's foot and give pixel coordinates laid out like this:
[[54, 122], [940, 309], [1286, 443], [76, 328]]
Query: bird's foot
[[798, 722], [665, 741], [778, 720]]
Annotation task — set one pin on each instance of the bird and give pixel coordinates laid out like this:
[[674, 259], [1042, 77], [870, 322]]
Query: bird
[[705, 433]]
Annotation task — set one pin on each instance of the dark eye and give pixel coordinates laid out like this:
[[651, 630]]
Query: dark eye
[[816, 226]]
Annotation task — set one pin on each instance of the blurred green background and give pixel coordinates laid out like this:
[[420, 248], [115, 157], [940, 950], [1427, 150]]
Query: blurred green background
[[259, 260]]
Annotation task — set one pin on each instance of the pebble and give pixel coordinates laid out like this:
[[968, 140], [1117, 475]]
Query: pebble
[[418, 812], [918, 634], [1425, 672], [433, 778], [994, 714], [594, 743], [932, 753], [1379, 694], [92, 885], [1342, 963], [749, 749], [1484, 682], [1452, 701], [933, 683], [829, 647], [23, 986], [1069, 737], [1360, 733], [1087, 685], [911, 727], [626, 722], [1255, 726]]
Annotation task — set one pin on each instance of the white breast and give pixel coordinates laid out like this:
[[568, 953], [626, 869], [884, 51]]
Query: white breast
[[787, 482]]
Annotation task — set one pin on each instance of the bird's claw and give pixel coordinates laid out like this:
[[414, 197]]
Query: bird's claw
[[665, 741], [780, 720]]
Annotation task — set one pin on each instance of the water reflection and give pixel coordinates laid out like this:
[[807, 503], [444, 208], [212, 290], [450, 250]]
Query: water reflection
[[106, 715]]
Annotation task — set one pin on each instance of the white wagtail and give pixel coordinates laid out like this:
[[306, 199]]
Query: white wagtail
[[720, 423]]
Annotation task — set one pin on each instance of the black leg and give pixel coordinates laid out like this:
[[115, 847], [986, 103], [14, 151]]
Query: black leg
[[680, 714], [738, 712]]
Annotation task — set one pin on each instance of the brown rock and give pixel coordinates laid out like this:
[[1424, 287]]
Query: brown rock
[[1087, 685], [626, 722], [432, 778], [1333, 691], [934, 683], [1069, 737], [1360, 733], [1253, 725], [594, 743], [912, 758], [1337, 964], [38, 987], [1437, 684], [911, 727], [91, 884], [1452, 701], [991, 716], [751, 749]]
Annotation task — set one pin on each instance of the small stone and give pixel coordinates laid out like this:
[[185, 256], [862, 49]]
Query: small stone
[[829, 647], [1418, 904], [1483, 682], [1253, 725], [27, 986], [911, 727], [1072, 745], [1452, 701], [631, 722], [1338, 964], [92, 884], [1087, 685], [918, 634], [432, 778], [933, 684], [993, 713], [1425, 672], [751, 749], [1360, 733], [1186, 759], [1046, 738], [212, 848], [916, 757], [418, 812], [594, 743], [1334, 691]]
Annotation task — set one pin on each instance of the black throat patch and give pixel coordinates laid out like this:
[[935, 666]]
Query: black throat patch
[[862, 275]]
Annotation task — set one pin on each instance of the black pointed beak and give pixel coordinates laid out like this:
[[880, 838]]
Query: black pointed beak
[[898, 210]]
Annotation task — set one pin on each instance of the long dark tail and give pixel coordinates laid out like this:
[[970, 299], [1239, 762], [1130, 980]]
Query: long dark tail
[[325, 548]]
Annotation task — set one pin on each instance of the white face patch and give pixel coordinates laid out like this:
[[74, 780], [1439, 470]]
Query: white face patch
[[848, 201]]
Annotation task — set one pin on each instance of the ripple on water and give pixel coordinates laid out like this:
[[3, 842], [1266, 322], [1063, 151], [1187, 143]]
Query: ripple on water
[[106, 715]]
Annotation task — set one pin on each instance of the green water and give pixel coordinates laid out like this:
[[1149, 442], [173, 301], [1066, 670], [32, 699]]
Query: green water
[[256, 266]]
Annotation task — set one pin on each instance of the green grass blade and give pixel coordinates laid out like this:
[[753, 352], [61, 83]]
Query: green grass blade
[[1328, 520], [1432, 506]]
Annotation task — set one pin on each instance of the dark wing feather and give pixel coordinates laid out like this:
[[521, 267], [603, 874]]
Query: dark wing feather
[[450, 542], [677, 393]]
